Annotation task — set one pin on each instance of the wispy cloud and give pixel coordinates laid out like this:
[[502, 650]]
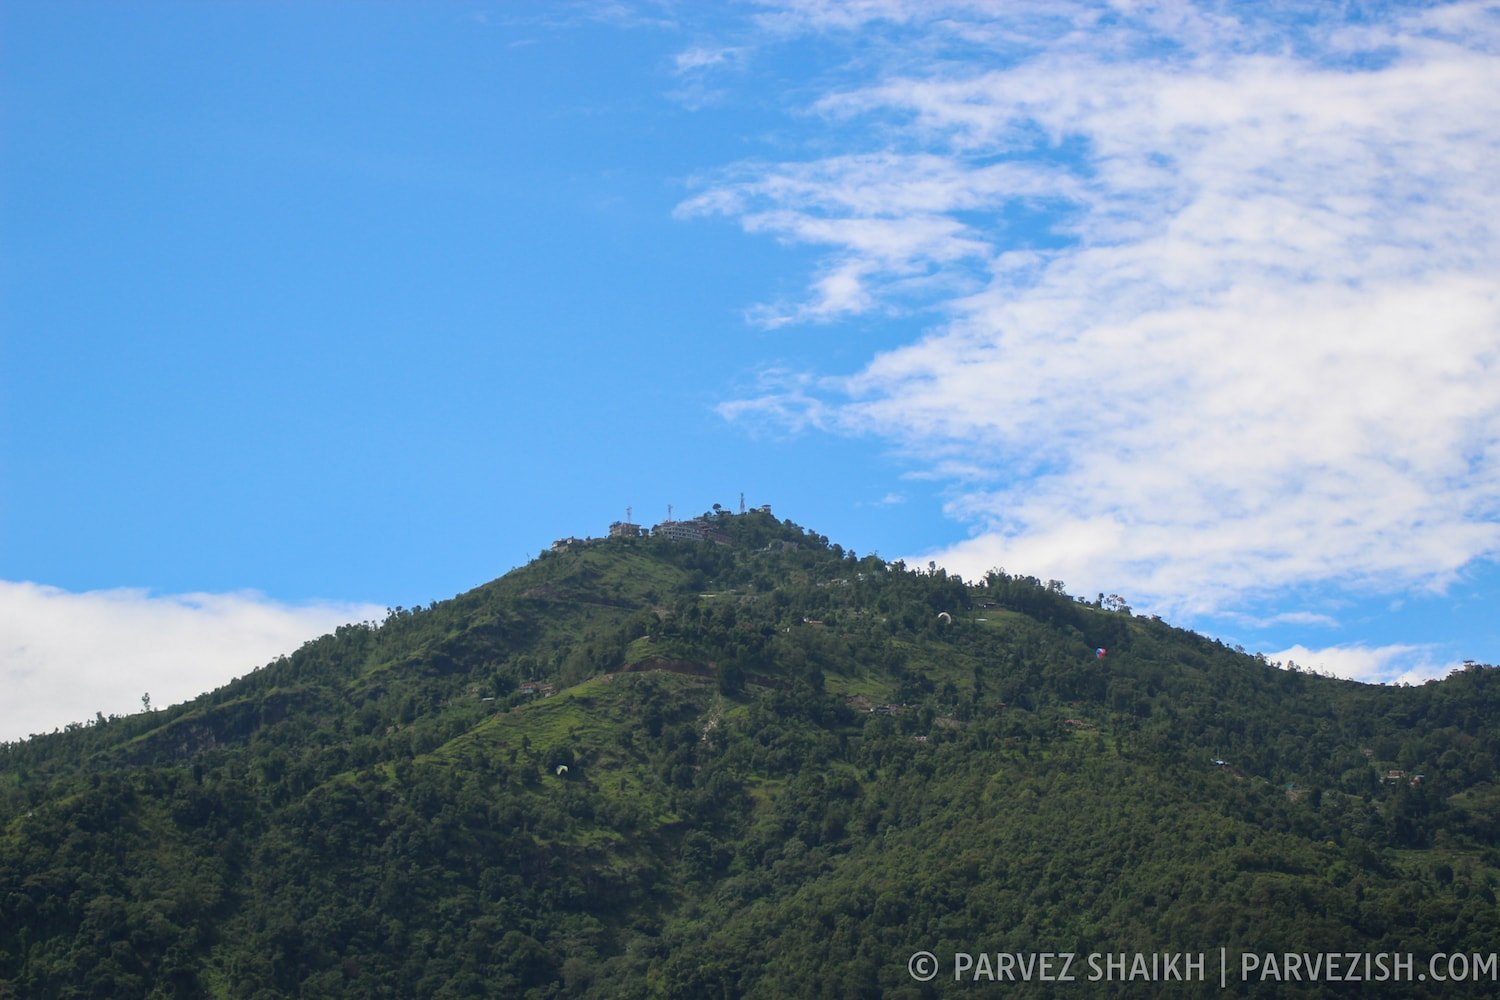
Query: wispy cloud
[[699, 57], [1312, 619], [1258, 346], [1394, 664], [889, 220], [65, 656], [698, 67]]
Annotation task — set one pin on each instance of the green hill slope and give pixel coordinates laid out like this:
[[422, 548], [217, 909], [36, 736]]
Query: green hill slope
[[641, 768]]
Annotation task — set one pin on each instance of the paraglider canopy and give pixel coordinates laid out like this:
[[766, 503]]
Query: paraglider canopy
[[1099, 653], [562, 769], [945, 618]]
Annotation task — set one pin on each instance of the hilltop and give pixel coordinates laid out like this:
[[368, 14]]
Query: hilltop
[[748, 763]]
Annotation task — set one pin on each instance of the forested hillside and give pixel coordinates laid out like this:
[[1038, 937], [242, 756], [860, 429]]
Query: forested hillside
[[643, 768]]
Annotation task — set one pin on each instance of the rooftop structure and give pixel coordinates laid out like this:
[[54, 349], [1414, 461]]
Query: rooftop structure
[[681, 531], [697, 529]]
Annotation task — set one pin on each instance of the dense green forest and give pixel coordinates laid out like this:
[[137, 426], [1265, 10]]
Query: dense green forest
[[761, 766]]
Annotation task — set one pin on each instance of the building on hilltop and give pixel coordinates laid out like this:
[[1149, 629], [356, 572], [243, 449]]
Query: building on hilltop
[[681, 531], [697, 530]]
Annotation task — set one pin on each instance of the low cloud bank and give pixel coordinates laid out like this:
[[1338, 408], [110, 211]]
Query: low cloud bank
[[66, 656]]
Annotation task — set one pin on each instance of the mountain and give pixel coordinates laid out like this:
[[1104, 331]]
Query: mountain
[[753, 765]]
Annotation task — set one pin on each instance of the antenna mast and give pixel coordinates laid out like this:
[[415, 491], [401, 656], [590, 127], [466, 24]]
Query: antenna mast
[[742, 503], [628, 518], [669, 512]]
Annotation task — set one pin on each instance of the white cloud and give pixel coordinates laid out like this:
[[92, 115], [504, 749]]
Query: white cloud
[[65, 656], [1304, 618], [1265, 354], [697, 66], [701, 57], [964, 18], [889, 219], [1394, 664]]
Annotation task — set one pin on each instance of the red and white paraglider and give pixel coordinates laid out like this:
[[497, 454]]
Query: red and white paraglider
[[1099, 653]]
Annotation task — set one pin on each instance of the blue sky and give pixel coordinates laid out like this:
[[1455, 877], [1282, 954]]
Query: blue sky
[[311, 310]]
